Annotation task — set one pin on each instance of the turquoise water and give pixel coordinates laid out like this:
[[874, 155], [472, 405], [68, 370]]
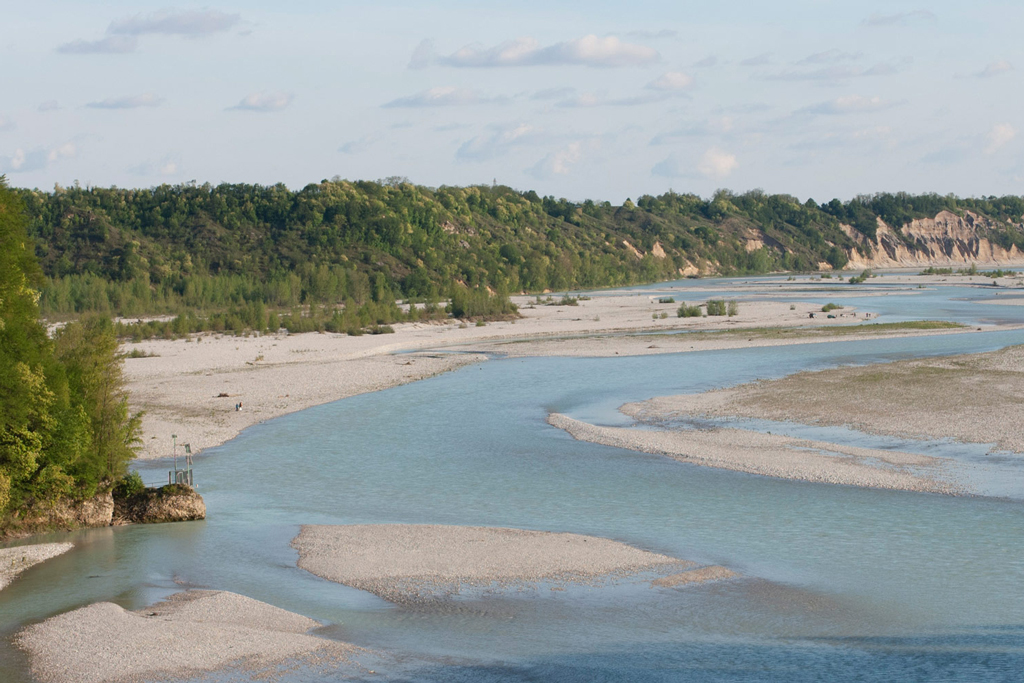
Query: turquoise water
[[839, 583]]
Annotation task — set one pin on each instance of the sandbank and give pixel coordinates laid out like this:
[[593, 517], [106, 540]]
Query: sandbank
[[774, 455], [191, 633], [14, 561], [410, 564], [702, 575], [191, 387], [971, 398]]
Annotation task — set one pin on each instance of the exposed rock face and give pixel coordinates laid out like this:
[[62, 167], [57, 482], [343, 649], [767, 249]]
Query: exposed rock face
[[87, 513], [946, 240], [166, 504]]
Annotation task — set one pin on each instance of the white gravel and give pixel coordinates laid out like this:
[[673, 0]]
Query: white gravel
[[407, 563], [971, 398], [14, 561], [192, 632], [772, 455]]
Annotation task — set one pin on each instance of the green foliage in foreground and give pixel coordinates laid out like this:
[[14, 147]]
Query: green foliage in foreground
[[685, 311], [205, 249], [65, 430]]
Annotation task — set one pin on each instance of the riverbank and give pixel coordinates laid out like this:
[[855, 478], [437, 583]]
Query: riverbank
[[14, 561], [189, 634], [192, 387]]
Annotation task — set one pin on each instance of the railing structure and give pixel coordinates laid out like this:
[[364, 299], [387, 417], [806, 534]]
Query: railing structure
[[181, 476]]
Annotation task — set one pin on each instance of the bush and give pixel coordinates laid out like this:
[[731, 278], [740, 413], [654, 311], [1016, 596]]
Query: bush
[[716, 307], [862, 277], [734, 308], [689, 311], [830, 307], [667, 300], [130, 485]]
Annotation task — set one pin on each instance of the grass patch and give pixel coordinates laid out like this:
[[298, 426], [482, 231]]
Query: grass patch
[[830, 331]]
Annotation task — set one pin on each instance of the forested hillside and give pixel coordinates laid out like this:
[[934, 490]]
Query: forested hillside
[[202, 248]]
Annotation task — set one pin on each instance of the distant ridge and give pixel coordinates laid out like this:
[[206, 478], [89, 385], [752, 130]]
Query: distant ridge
[[135, 251]]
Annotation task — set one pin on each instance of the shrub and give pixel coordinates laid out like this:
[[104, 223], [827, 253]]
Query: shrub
[[830, 307], [734, 308], [862, 277], [716, 307], [130, 485], [689, 311], [667, 300]]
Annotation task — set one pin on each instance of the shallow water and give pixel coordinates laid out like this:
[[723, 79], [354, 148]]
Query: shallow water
[[839, 583]]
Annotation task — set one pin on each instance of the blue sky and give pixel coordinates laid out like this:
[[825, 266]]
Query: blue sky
[[605, 100]]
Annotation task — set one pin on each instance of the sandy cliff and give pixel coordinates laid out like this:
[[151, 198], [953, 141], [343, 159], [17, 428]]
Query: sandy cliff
[[946, 240]]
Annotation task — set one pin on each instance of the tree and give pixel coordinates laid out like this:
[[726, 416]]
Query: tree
[[24, 349]]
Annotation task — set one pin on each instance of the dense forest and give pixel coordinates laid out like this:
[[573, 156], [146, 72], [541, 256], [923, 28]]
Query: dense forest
[[65, 430], [247, 251]]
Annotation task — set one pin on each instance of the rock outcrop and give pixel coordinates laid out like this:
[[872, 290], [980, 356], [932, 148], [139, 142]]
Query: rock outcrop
[[174, 503], [946, 240]]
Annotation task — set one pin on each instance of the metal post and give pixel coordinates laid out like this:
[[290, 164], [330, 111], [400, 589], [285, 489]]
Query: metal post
[[174, 450]]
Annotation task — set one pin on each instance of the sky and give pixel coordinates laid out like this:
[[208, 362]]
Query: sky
[[602, 100]]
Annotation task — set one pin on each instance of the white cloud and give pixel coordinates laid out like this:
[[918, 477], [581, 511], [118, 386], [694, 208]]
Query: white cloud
[[36, 159], [839, 73], [671, 81], [164, 168], [831, 57], [714, 126], [443, 96], [757, 60], [357, 146], [995, 69], [1000, 136], [189, 23], [49, 105], [717, 163], [65, 151], [111, 45], [590, 99], [900, 18], [553, 94], [707, 62], [671, 167], [129, 102], [264, 102], [849, 104], [590, 50], [653, 35], [559, 162], [497, 143]]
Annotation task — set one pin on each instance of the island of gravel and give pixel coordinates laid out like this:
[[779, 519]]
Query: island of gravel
[[14, 561], [411, 564], [191, 633], [921, 398], [775, 455]]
